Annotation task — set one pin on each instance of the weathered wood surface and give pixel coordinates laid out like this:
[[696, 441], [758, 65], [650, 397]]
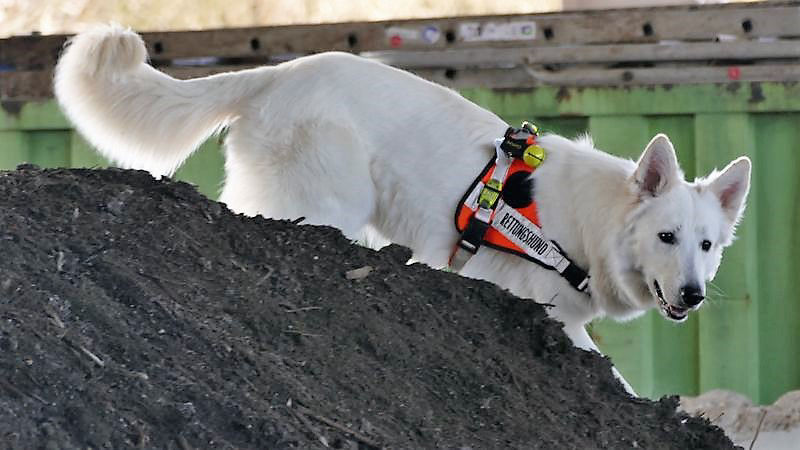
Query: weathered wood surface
[[525, 77], [671, 51], [686, 23], [685, 44]]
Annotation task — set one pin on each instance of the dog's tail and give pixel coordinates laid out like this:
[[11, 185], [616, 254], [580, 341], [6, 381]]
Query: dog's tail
[[135, 115]]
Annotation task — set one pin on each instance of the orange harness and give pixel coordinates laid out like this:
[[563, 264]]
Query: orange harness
[[498, 211], [469, 204]]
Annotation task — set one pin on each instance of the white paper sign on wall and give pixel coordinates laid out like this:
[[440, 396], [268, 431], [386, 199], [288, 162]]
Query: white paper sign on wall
[[497, 31]]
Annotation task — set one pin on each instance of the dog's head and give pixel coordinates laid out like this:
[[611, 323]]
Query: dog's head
[[676, 231]]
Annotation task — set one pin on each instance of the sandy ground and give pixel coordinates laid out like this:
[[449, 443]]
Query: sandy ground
[[777, 425]]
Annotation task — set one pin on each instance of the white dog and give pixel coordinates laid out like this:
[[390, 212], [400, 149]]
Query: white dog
[[382, 154]]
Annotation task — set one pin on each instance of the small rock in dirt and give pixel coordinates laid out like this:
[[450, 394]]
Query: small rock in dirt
[[358, 274]]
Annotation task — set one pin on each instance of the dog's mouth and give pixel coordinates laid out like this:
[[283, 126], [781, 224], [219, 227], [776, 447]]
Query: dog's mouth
[[671, 312]]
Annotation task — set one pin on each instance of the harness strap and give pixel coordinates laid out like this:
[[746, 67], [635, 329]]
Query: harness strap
[[529, 237], [491, 213], [486, 196]]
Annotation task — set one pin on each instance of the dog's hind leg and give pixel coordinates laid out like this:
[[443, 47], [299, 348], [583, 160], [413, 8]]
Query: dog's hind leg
[[371, 238], [317, 171]]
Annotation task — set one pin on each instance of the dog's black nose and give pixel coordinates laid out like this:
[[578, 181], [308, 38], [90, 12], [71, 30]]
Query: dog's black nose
[[692, 295]]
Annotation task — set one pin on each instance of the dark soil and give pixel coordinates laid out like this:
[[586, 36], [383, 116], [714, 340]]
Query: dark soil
[[135, 313]]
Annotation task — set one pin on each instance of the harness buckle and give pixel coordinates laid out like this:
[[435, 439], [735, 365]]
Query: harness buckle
[[490, 194], [517, 140]]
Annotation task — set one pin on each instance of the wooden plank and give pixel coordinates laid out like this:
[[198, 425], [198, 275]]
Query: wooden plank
[[629, 344], [624, 135], [777, 196], [687, 99], [37, 85], [541, 102], [667, 75], [527, 77], [33, 52], [743, 21], [569, 127], [595, 27], [205, 169], [727, 333], [48, 148], [676, 362], [26, 85], [657, 356], [13, 149], [82, 154], [36, 115], [505, 57]]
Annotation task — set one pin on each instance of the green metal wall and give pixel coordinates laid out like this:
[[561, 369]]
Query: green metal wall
[[747, 338], [38, 133]]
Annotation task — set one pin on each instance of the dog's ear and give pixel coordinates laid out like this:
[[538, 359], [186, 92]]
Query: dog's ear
[[731, 187], [657, 169]]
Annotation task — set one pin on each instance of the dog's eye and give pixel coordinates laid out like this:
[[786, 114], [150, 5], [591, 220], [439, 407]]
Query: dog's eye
[[667, 237], [706, 245]]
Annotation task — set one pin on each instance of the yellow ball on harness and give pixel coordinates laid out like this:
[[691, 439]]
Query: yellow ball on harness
[[533, 155]]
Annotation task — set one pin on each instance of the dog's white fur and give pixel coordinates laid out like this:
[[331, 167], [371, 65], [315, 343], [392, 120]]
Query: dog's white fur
[[382, 154]]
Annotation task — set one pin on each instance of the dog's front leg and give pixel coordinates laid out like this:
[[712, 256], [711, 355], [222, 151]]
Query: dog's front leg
[[581, 339]]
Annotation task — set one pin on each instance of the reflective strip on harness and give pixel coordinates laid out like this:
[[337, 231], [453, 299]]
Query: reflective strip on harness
[[472, 199], [527, 236]]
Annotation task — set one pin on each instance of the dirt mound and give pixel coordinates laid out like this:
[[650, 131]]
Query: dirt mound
[[137, 313]]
